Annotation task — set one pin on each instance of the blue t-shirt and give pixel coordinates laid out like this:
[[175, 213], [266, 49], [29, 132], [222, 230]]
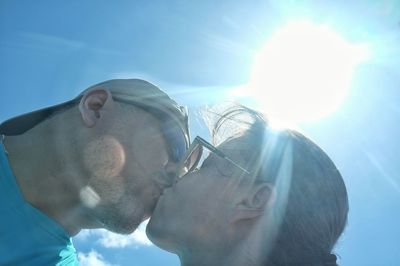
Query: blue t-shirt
[[28, 236]]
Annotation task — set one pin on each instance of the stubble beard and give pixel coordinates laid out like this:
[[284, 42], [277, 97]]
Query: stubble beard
[[121, 217]]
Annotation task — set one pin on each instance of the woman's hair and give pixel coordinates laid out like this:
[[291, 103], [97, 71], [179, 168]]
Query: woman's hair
[[312, 205]]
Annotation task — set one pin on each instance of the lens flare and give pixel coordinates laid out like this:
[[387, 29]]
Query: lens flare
[[303, 72]]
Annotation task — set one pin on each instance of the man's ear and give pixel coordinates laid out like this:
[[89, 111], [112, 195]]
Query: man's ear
[[257, 201], [92, 103]]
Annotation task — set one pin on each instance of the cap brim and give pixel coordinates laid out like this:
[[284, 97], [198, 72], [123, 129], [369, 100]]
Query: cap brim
[[133, 91], [22, 123]]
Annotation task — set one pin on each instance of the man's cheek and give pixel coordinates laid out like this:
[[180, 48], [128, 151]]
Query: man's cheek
[[104, 157]]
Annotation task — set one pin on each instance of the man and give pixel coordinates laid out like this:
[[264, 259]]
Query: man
[[100, 160]]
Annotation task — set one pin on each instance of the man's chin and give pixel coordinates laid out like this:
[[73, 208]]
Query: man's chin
[[122, 224], [123, 229], [124, 219]]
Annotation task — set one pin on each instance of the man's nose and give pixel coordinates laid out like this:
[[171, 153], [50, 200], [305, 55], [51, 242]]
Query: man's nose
[[171, 172]]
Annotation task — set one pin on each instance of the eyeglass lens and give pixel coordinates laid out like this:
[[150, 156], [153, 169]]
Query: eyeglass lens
[[192, 159]]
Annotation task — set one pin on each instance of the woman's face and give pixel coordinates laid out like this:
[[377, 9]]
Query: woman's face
[[197, 209]]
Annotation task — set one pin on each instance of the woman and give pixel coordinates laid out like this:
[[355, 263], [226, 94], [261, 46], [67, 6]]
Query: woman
[[263, 197]]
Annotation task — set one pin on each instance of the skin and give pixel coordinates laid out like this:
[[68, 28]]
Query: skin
[[99, 164], [209, 216]]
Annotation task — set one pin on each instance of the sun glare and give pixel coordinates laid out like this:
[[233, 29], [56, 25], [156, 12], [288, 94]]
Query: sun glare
[[303, 72]]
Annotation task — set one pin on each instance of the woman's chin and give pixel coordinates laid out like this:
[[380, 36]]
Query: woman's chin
[[157, 234]]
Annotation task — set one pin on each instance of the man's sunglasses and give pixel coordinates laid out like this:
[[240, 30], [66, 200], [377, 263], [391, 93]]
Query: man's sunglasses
[[194, 153]]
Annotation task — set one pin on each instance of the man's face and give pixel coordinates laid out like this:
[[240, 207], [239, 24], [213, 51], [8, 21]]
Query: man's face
[[127, 165]]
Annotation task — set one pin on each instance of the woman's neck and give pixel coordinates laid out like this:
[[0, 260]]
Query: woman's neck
[[239, 256]]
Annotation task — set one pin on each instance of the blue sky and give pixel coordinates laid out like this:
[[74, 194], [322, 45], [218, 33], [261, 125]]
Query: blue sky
[[197, 51]]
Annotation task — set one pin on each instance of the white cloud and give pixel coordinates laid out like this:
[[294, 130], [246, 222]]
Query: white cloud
[[137, 238], [84, 234], [111, 240], [92, 259]]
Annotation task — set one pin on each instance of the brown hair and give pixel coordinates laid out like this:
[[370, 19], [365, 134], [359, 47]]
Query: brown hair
[[312, 204]]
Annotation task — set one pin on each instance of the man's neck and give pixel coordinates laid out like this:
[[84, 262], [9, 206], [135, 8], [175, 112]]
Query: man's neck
[[43, 179]]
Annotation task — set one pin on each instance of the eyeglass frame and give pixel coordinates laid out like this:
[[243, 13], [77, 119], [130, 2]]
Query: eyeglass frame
[[203, 143]]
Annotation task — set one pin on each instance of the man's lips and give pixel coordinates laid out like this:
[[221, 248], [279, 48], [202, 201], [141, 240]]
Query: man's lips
[[159, 190]]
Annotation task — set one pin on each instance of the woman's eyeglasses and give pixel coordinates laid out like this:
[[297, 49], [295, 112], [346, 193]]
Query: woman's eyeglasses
[[194, 153]]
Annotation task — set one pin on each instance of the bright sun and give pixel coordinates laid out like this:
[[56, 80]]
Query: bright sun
[[303, 72]]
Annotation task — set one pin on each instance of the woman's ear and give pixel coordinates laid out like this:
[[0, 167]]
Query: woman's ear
[[255, 203], [92, 103]]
